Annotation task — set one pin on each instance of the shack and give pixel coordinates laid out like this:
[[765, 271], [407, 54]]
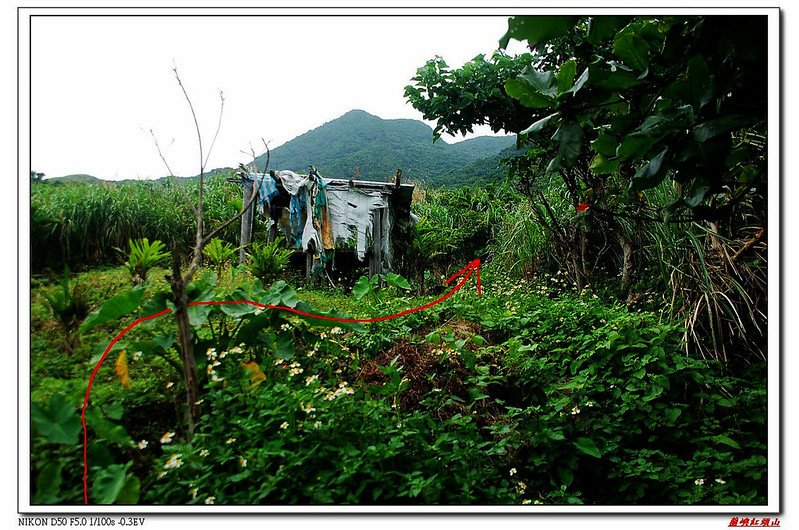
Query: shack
[[326, 217]]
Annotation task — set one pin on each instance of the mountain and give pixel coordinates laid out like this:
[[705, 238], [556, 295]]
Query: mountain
[[378, 147], [79, 177]]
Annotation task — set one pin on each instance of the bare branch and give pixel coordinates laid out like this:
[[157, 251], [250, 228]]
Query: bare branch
[[177, 182], [218, 127], [198, 215], [193, 115]]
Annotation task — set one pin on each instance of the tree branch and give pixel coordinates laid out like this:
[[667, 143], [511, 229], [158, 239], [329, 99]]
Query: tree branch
[[178, 183]]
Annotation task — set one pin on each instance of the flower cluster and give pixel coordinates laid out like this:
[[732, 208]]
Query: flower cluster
[[311, 379], [213, 363], [307, 408], [340, 391], [173, 462], [295, 369], [166, 438]]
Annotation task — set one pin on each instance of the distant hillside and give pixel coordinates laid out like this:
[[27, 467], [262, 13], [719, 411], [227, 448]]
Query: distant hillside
[[378, 147], [80, 177]]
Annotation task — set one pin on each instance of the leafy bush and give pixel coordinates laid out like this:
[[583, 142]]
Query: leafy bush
[[268, 259], [144, 256], [69, 305], [219, 253]]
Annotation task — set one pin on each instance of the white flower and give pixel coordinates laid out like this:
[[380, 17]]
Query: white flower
[[142, 444], [222, 355], [136, 356], [720, 481], [230, 441], [699, 482], [512, 471], [169, 384], [278, 362], [285, 327], [575, 410], [243, 462], [193, 492], [307, 408], [317, 424], [167, 437], [204, 453], [310, 379], [284, 425], [336, 331], [210, 500], [173, 462], [295, 371], [526, 501]]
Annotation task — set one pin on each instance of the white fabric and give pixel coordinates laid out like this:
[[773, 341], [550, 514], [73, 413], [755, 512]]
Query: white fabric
[[292, 182], [352, 213]]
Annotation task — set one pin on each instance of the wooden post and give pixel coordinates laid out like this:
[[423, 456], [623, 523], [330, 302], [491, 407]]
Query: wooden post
[[246, 221], [376, 258]]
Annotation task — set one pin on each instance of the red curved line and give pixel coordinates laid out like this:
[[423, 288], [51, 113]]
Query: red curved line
[[338, 319], [469, 269], [89, 389]]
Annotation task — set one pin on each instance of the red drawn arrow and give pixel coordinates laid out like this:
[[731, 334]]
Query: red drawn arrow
[[465, 273]]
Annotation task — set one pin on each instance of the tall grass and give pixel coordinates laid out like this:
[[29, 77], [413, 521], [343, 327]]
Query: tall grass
[[80, 225]]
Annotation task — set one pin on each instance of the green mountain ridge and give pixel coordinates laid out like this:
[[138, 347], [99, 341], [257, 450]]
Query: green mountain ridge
[[378, 147]]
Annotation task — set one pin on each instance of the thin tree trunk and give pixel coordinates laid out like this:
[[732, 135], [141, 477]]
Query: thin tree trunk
[[184, 340]]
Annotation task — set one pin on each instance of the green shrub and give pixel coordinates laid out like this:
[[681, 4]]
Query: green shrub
[[268, 260], [219, 253], [144, 256]]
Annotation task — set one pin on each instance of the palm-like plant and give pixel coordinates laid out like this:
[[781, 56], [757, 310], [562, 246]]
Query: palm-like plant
[[143, 256]]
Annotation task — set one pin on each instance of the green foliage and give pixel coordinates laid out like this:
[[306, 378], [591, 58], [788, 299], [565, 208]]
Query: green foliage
[[144, 256], [219, 253], [82, 224], [55, 429], [372, 287], [267, 260], [115, 307], [328, 443], [69, 304]]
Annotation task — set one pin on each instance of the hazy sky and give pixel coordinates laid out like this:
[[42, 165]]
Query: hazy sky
[[99, 84]]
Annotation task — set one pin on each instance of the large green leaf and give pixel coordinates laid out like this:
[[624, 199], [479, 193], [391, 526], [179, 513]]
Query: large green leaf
[[48, 484], [601, 165], [565, 76], [537, 28], [108, 483], [58, 421], [129, 494], [712, 128], [695, 86], [605, 144], [570, 136], [115, 307], [604, 26], [587, 446], [652, 173], [538, 125], [632, 49], [521, 90], [361, 288], [397, 281], [107, 430]]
